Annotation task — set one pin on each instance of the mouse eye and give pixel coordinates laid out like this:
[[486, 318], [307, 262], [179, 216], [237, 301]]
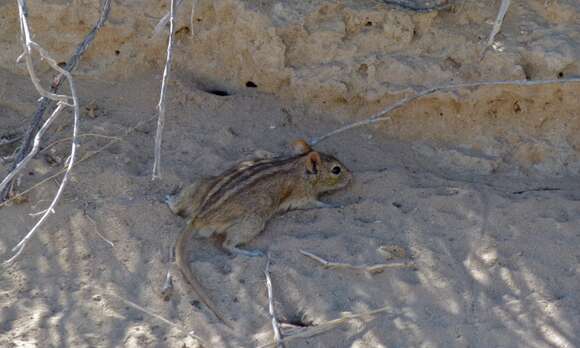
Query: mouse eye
[[335, 170]]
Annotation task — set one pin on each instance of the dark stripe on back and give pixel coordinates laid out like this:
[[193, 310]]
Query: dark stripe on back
[[237, 180], [230, 174]]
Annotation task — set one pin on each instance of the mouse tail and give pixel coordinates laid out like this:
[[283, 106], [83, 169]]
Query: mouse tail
[[183, 265]]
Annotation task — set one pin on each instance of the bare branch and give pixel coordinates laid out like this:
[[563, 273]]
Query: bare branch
[[372, 269], [28, 44], [35, 147], [47, 103], [275, 325], [382, 115], [161, 104]]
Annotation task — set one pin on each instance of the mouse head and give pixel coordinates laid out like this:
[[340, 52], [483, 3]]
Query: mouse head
[[325, 172]]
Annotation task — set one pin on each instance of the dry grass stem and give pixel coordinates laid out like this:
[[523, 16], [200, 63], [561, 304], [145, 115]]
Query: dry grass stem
[[329, 325], [372, 269], [503, 8], [275, 325], [161, 104], [382, 116]]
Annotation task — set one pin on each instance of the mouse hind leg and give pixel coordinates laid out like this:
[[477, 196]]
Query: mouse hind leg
[[243, 232]]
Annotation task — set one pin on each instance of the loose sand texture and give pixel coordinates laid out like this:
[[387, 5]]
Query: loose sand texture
[[477, 187]]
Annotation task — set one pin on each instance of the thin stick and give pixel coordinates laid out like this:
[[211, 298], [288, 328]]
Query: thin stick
[[372, 269], [28, 45], [46, 103], [503, 8], [382, 115], [329, 325], [27, 54], [161, 104], [35, 146], [275, 325]]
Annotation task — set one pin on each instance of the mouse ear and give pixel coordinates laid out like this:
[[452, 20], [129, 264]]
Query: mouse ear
[[313, 162], [300, 147]]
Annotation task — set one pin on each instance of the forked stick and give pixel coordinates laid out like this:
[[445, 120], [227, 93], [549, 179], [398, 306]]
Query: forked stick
[[28, 45], [46, 103], [35, 146]]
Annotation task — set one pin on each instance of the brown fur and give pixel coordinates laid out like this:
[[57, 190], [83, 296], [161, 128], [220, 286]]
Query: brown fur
[[239, 202]]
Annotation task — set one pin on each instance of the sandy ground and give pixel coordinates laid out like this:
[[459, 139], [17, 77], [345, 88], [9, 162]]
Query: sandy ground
[[497, 257]]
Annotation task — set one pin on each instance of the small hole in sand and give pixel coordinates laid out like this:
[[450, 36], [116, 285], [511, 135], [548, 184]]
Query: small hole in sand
[[369, 24], [560, 75], [219, 92], [251, 84], [117, 52]]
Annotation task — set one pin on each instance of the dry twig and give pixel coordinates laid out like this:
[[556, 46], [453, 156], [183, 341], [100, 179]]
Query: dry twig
[[35, 147], [382, 115], [372, 269], [47, 103], [275, 325], [62, 100], [161, 104], [503, 8]]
